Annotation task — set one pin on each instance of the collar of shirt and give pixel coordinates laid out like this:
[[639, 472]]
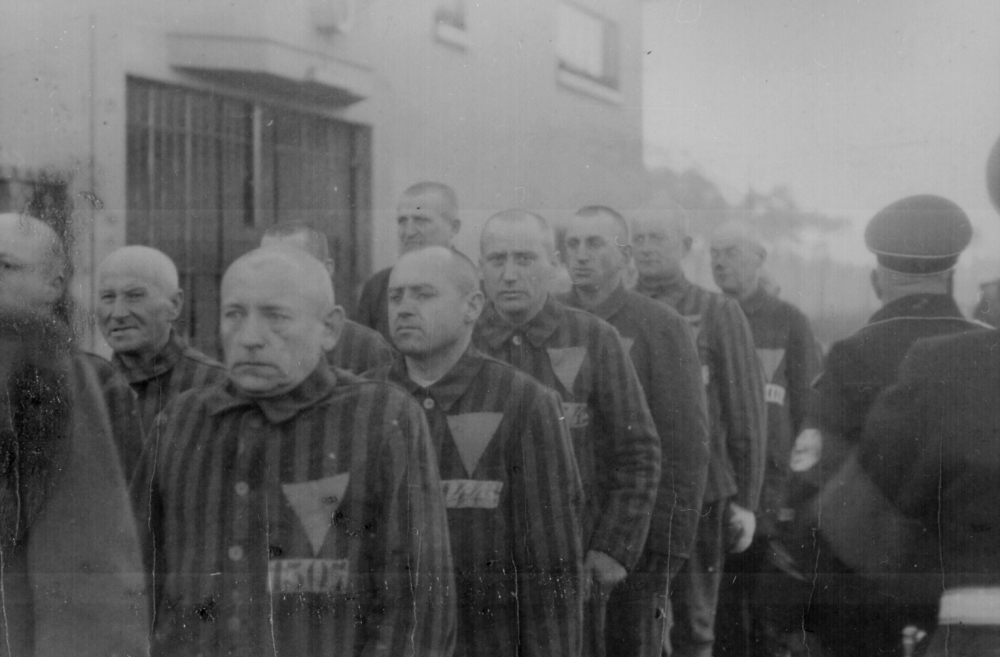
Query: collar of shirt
[[669, 289], [605, 309], [281, 408], [448, 389], [918, 305], [754, 303], [162, 362], [495, 330]]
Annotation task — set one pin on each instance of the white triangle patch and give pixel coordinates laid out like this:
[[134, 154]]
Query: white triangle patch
[[694, 323], [315, 502], [628, 342], [472, 432], [769, 360], [566, 363]]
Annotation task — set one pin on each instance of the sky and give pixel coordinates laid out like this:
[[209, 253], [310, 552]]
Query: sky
[[852, 104]]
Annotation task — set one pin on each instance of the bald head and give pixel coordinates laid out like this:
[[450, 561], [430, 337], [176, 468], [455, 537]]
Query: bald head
[[516, 217], [739, 232], [278, 319], [146, 263], [33, 255], [665, 216], [298, 276], [453, 267]]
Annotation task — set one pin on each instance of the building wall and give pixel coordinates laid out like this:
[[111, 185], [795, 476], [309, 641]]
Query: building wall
[[487, 117]]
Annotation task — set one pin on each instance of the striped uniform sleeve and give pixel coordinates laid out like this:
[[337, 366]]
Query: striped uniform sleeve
[[627, 451], [678, 405], [123, 410], [416, 614], [548, 497], [741, 390]]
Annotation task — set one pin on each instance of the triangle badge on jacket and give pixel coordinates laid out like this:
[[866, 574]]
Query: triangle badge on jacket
[[770, 359], [315, 502], [628, 342], [472, 432], [566, 363]]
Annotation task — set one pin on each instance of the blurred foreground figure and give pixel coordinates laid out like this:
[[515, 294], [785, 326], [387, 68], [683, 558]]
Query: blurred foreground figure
[[427, 215], [666, 360], [583, 359], [760, 604], [294, 510], [138, 301], [510, 480], [70, 559], [358, 348], [928, 472], [734, 388], [917, 241]]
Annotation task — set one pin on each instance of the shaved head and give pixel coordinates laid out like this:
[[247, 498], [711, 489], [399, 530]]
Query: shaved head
[[277, 319], [667, 216], [306, 277], [149, 264], [37, 269], [740, 231], [548, 235], [457, 269]]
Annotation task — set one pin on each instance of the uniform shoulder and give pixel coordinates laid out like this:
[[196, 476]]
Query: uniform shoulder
[[385, 395], [201, 357], [497, 371], [959, 353], [651, 307], [588, 321], [107, 374]]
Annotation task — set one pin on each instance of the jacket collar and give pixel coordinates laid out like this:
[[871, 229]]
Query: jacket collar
[[606, 309], [316, 387], [162, 362], [918, 305], [448, 389], [670, 289], [495, 330]]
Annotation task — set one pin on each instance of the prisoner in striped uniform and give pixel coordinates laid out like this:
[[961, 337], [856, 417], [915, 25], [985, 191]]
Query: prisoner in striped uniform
[[510, 481], [138, 301], [737, 419], [294, 509], [663, 351], [755, 588], [358, 347], [427, 215], [583, 359]]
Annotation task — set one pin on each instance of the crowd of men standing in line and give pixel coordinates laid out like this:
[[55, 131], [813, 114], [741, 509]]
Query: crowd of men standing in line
[[608, 471]]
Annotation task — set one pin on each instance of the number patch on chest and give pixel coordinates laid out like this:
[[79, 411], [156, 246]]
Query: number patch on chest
[[307, 575], [471, 493]]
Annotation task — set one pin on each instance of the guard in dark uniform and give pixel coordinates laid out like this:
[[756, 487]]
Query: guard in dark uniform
[[917, 241]]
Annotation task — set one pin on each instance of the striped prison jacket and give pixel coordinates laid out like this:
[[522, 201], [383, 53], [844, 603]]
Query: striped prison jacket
[[303, 524], [513, 496]]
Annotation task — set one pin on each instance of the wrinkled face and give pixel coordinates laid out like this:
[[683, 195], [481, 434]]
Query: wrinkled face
[[134, 313], [273, 332], [593, 255], [27, 278], [658, 247], [516, 267], [420, 222], [735, 265], [427, 312]]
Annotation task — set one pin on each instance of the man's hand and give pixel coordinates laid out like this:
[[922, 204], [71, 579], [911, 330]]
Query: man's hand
[[742, 525], [601, 573]]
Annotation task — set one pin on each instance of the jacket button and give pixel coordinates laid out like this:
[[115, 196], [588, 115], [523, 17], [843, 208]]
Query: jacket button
[[428, 403], [516, 340], [236, 553], [242, 488]]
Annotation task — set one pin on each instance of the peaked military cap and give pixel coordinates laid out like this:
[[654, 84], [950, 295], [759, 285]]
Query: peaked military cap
[[919, 234]]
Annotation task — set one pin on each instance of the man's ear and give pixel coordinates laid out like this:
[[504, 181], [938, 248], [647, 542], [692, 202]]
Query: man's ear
[[626, 252], [876, 284], [333, 326], [474, 304], [176, 304]]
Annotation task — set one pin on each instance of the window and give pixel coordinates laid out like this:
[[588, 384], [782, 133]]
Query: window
[[207, 174], [586, 45]]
